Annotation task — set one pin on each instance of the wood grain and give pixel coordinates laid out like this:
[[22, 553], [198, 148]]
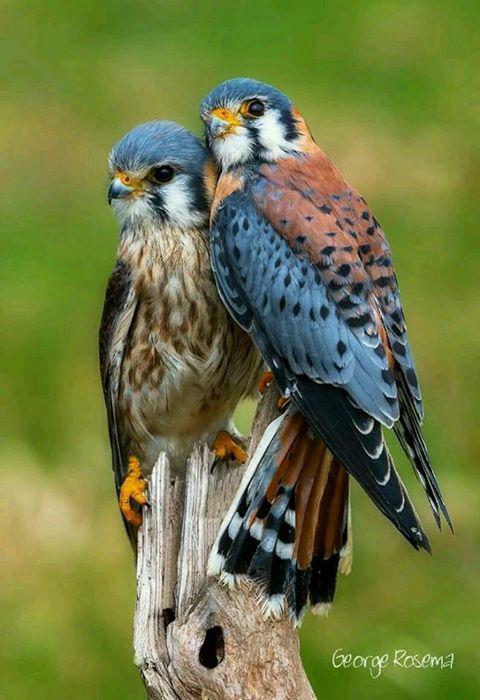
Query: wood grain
[[217, 646]]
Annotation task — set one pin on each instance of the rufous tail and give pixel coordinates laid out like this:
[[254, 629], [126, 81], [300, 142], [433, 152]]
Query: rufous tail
[[288, 526]]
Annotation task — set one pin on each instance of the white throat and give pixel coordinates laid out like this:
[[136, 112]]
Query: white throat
[[233, 149], [239, 147]]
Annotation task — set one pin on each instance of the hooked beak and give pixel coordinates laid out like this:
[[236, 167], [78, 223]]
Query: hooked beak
[[118, 190], [221, 122]]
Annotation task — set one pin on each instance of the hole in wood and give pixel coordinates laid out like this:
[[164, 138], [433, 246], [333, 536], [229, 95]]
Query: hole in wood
[[212, 650], [168, 616]]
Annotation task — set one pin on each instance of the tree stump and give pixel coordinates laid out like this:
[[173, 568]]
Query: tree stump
[[193, 637]]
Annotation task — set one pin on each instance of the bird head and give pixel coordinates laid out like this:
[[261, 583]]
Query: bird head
[[248, 121], [160, 171]]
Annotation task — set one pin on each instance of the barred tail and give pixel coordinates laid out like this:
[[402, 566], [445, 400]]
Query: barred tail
[[288, 526]]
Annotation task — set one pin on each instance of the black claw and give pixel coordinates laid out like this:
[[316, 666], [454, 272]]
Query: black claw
[[215, 464]]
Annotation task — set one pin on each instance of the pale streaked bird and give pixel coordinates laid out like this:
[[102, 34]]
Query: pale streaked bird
[[174, 364]]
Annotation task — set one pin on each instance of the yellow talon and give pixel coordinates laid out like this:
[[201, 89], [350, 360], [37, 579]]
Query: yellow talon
[[265, 380], [132, 489], [225, 447]]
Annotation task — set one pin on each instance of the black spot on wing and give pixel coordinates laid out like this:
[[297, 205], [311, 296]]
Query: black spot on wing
[[324, 312]]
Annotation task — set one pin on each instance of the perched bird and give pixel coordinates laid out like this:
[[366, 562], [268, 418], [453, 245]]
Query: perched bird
[[305, 268], [173, 363]]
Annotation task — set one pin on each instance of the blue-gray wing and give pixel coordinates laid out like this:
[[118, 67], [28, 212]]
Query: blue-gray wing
[[335, 379], [279, 295]]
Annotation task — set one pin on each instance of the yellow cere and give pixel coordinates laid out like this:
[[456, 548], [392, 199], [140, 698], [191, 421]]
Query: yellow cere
[[226, 115], [129, 181]]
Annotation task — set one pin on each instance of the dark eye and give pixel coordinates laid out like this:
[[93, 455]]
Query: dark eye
[[164, 173], [255, 108]]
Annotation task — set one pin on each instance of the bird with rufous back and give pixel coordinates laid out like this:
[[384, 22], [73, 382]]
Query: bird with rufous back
[[305, 268]]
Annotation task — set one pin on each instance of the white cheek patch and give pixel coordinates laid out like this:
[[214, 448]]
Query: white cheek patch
[[239, 147], [234, 148], [178, 204], [271, 134]]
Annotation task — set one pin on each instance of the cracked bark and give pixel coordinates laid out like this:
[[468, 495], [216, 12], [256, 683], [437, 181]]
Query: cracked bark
[[193, 638]]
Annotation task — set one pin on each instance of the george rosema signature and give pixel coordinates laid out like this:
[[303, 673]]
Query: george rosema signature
[[400, 658]]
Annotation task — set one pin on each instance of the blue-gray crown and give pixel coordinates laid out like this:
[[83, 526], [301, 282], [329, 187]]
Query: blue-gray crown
[[237, 90], [157, 142]]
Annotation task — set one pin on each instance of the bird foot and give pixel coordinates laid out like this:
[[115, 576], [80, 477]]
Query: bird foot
[[225, 447], [132, 491], [282, 402], [265, 380]]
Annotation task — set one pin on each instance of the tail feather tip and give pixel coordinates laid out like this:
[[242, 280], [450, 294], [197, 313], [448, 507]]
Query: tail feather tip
[[216, 563], [420, 539], [230, 580], [321, 609], [346, 562], [273, 606]]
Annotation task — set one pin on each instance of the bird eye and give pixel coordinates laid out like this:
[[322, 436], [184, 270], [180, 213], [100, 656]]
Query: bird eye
[[163, 174], [255, 108]]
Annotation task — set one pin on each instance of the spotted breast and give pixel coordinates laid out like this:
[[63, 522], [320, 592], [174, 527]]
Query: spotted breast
[[186, 364]]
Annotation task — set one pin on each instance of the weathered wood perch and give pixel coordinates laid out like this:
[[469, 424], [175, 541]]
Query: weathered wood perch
[[193, 637]]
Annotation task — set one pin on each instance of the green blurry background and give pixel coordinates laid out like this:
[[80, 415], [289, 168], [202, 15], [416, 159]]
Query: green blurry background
[[391, 92]]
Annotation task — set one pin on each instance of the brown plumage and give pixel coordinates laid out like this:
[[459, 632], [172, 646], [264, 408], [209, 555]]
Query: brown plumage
[[174, 365], [333, 226], [185, 362]]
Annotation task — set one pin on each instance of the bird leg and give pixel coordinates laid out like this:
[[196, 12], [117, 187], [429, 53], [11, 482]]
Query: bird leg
[[225, 447], [132, 489], [265, 380]]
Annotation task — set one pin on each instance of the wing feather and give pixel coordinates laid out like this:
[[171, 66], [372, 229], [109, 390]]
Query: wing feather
[[118, 312], [306, 269], [290, 302]]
